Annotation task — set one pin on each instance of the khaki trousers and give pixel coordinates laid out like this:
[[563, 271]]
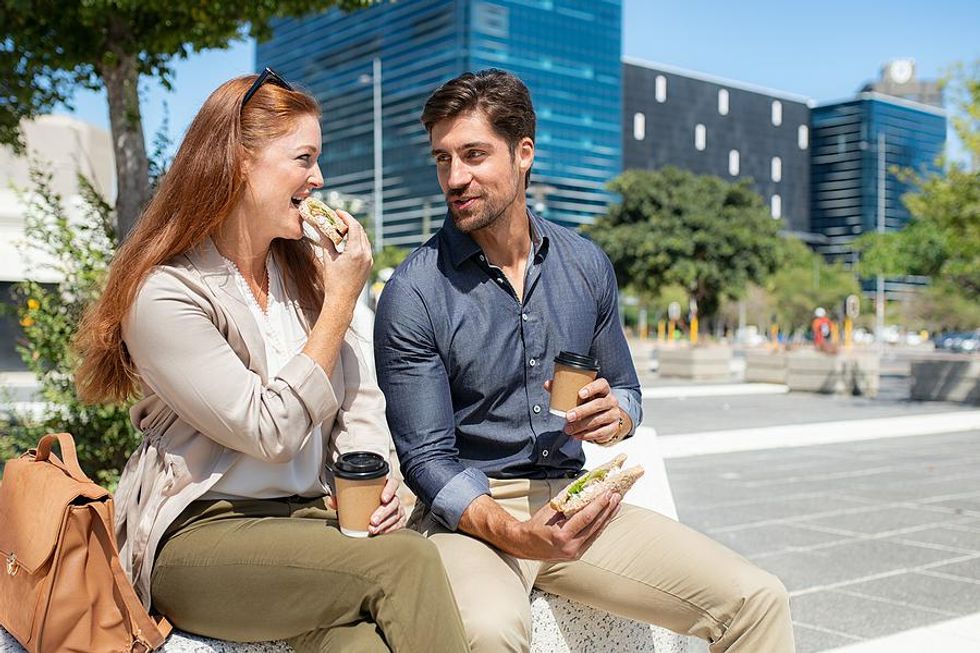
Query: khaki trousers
[[258, 570], [644, 566]]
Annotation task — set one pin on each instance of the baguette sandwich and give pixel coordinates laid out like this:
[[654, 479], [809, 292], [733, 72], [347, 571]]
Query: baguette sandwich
[[320, 221], [610, 477]]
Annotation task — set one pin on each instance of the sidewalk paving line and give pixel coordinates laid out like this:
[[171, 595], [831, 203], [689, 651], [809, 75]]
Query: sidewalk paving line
[[716, 390], [801, 435], [960, 635]]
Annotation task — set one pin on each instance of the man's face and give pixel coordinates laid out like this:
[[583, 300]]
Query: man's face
[[478, 173]]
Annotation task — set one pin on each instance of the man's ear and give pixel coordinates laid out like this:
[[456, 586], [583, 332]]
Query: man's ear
[[525, 154]]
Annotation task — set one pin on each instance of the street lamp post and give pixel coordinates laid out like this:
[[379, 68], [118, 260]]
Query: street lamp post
[[378, 159], [880, 285]]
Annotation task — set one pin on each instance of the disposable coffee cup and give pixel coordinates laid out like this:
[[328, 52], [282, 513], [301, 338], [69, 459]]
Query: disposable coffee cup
[[359, 476], [572, 373]]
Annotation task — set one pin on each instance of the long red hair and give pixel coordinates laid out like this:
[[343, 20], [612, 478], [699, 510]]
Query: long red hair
[[196, 195]]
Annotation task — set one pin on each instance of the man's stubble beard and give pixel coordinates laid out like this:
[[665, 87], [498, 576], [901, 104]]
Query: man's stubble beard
[[491, 213]]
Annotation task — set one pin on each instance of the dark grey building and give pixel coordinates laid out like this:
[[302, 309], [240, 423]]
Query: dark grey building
[[719, 127]]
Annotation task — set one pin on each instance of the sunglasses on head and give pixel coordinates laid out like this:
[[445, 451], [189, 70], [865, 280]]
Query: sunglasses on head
[[267, 75]]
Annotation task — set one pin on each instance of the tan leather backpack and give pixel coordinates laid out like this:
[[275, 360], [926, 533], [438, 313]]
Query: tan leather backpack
[[61, 585]]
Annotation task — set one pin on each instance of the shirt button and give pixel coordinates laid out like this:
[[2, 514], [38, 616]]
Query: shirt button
[[500, 279], [482, 257], [532, 362], [524, 316], [536, 409], [544, 454]]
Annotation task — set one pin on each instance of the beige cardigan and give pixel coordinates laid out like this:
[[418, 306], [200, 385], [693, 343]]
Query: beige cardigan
[[208, 402]]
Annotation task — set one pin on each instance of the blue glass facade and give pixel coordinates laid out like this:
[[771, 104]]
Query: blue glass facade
[[567, 51], [846, 164]]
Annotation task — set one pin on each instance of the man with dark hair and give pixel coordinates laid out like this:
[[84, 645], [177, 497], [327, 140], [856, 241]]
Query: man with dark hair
[[466, 332]]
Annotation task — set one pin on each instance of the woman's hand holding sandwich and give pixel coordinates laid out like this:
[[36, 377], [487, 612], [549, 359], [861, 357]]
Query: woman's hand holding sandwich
[[599, 419], [344, 275], [345, 272]]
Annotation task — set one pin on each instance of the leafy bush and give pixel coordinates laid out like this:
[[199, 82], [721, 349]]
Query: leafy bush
[[78, 249]]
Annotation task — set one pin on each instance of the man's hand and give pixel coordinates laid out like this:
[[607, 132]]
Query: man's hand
[[547, 535], [597, 420]]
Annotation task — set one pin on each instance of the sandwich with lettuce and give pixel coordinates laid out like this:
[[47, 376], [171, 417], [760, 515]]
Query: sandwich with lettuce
[[610, 477], [321, 222]]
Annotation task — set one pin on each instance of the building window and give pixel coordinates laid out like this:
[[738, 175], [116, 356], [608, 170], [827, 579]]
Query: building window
[[776, 204], [723, 102], [777, 113], [700, 137], [776, 169], [803, 137], [639, 126], [660, 88], [733, 163]]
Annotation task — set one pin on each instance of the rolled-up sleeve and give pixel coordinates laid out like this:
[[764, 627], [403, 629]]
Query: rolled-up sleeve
[[413, 377], [609, 345]]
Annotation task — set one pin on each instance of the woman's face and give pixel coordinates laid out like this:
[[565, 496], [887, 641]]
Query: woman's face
[[281, 174]]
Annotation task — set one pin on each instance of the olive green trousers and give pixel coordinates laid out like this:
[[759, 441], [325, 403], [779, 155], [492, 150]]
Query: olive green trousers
[[270, 569]]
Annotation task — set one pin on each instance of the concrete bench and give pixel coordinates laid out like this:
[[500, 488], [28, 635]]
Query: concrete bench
[[702, 363], [947, 378], [558, 625]]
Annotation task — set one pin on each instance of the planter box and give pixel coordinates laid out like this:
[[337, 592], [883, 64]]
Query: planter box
[[947, 379], [762, 366], [702, 363], [847, 373]]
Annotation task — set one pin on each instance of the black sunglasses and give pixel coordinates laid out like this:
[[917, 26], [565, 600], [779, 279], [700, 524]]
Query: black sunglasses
[[267, 75]]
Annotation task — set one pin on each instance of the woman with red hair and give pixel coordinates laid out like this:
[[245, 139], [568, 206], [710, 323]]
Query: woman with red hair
[[247, 350]]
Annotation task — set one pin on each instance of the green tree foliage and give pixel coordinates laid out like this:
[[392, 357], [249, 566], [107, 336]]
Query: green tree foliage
[[50, 49], [389, 257], [674, 227], [943, 238], [803, 282], [939, 307], [78, 249]]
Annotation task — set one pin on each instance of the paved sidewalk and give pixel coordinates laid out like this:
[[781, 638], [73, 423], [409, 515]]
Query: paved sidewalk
[[873, 538]]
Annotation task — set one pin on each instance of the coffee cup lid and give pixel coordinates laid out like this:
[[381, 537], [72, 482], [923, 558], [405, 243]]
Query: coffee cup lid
[[360, 466], [579, 361]]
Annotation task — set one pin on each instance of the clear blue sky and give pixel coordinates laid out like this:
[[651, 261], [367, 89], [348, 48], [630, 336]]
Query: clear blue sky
[[824, 50]]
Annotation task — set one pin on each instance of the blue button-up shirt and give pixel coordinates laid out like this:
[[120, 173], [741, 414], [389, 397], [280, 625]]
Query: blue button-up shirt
[[462, 361]]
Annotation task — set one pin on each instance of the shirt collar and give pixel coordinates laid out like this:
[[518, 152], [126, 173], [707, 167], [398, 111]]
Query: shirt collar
[[462, 247]]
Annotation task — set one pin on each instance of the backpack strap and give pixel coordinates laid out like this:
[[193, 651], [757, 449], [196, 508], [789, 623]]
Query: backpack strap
[[150, 633]]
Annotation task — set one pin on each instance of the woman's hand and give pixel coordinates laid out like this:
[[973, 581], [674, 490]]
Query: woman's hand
[[391, 515], [345, 273]]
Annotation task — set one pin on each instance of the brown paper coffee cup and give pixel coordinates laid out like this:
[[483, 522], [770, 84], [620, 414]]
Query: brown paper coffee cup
[[360, 476], [572, 373]]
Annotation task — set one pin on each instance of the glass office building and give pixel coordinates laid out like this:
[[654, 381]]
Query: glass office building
[[567, 51], [857, 145]]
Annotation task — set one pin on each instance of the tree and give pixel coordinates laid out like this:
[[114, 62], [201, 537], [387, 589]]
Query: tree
[[675, 227], [805, 281], [49, 49]]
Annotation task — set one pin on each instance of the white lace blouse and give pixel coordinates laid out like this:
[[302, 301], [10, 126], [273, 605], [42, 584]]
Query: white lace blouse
[[284, 337]]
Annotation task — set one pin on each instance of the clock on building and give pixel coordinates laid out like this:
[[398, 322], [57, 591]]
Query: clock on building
[[900, 71]]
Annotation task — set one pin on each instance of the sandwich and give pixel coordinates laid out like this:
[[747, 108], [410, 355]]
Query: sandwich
[[320, 221], [610, 477]]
